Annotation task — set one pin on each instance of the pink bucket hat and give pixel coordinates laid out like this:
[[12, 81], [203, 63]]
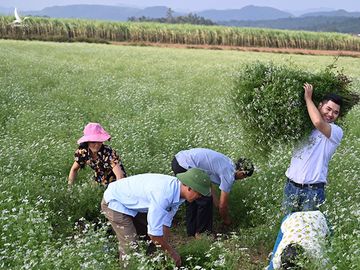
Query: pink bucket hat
[[94, 132]]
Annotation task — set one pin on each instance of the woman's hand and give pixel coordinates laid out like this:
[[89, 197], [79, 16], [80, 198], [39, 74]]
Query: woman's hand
[[73, 172], [118, 172]]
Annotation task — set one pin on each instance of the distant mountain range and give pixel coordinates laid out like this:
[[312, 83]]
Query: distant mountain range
[[99, 12], [252, 16], [335, 13], [248, 13], [122, 13]]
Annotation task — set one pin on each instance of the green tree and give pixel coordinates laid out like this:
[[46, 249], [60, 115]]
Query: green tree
[[169, 15]]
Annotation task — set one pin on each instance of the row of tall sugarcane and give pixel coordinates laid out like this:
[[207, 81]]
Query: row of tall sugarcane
[[36, 28]]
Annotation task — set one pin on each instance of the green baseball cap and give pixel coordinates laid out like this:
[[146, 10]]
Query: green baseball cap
[[197, 180]]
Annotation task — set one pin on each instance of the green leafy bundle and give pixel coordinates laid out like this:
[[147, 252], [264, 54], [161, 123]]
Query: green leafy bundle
[[270, 101]]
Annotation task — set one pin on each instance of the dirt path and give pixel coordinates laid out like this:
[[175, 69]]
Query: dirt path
[[245, 49]]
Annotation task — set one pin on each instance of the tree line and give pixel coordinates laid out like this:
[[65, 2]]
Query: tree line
[[316, 23], [169, 18]]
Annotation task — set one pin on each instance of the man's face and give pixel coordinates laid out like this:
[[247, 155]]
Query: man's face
[[239, 174], [329, 111], [192, 195]]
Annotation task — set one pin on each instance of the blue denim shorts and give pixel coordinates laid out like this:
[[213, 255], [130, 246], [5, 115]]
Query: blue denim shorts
[[302, 198]]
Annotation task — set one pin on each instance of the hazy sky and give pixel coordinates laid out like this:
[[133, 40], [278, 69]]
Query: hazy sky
[[194, 5]]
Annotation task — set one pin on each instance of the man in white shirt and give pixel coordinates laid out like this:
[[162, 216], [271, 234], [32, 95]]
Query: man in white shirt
[[125, 202], [307, 173], [223, 172]]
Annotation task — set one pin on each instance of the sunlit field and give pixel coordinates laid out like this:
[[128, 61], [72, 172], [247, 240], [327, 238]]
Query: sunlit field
[[154, 102]]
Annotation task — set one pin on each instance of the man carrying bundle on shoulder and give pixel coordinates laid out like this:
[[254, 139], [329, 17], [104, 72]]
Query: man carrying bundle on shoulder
[[307, 173]]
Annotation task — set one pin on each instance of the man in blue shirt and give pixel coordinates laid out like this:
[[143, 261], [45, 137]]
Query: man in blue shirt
[[159, 196], [222, 172]]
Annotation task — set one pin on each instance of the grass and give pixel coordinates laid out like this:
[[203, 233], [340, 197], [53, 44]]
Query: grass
[[154, 102]]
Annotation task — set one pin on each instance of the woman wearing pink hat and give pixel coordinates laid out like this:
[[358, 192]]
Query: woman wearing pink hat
[[100, 157]]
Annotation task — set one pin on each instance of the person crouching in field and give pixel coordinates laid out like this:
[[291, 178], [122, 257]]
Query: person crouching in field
[[307, 173], [222, 172], [301, 238], [157, 195], [101, 158]]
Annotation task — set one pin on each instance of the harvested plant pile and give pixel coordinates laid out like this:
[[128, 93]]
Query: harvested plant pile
[[270, 100]]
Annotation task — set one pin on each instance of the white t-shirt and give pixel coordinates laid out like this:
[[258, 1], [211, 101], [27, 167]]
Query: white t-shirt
[[308, 229], [309, 164]]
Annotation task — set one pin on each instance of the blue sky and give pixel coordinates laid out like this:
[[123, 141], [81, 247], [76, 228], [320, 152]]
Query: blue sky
[[193, 5]]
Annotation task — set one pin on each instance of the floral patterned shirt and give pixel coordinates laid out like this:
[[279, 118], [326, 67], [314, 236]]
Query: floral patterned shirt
[[308, 229], [106, 160]]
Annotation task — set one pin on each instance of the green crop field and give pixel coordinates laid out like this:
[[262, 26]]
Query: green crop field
[[154, 102], [48, 29]]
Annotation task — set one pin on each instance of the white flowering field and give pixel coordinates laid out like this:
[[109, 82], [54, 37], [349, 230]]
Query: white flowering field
[[154, 102]]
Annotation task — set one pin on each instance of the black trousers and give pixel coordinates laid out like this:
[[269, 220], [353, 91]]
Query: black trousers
[[199, 216], [176, 168], [140, 224], [199, 213]]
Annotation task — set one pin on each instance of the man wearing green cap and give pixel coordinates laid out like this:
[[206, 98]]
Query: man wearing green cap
[[160, 196]]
